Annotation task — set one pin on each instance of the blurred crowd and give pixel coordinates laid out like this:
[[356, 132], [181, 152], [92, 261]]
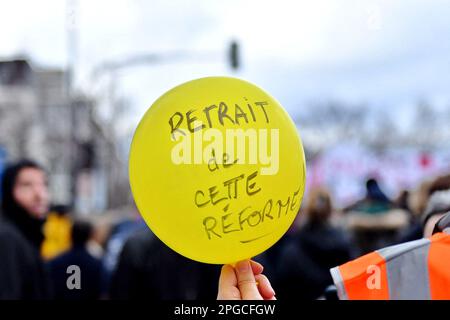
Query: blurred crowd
[[47, 252]]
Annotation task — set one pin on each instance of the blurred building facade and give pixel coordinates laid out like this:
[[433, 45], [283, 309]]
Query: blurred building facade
[[39, 120]]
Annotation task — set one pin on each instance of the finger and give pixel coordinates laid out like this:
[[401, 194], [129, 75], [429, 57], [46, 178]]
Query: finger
[[246, 281], [228, 284], [256, 267], [264, 287]]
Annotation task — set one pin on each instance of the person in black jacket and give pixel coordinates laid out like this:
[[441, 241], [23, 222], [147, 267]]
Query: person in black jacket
[[90, 269], [148, 269], [303, 267], [24, 204]]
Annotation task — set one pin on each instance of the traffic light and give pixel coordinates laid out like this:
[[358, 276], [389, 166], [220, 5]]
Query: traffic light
[[234, 55]]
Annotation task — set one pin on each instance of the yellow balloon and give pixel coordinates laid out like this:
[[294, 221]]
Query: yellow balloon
[[217, 170]]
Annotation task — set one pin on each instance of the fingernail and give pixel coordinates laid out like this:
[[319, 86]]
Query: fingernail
[[258, 264], [243, 266]]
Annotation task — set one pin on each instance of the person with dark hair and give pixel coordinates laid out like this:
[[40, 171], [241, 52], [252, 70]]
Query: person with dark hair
[[77, 259], [24, 204], [148, 269], [375, 201], [413, 230], [439, 184], [414, 270], [81, 233], [25, 199], [374, 191], [303, 267]]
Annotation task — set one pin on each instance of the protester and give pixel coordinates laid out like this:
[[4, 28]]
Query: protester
[[375, 201], [303, 267], [375, 221], [412, 270], [426, 208], [148, 269], [413, 230], [415, 282], [91, 272], [117, 237], [25, 202]]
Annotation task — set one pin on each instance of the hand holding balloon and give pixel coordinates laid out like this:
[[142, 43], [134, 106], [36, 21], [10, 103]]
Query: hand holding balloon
[[244, 282]]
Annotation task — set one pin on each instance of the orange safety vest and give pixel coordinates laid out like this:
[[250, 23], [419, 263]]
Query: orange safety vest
[[416, 270]]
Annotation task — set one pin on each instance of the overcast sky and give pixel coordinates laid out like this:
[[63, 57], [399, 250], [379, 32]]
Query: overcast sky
[[387, 54]]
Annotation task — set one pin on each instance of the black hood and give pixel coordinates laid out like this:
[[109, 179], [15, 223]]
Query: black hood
[[29, 226]]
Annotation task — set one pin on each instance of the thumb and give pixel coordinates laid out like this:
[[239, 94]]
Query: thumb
[[246, 281], [228, 289]]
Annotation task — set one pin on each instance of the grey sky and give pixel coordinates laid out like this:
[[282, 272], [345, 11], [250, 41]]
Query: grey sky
[[385, 53]]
